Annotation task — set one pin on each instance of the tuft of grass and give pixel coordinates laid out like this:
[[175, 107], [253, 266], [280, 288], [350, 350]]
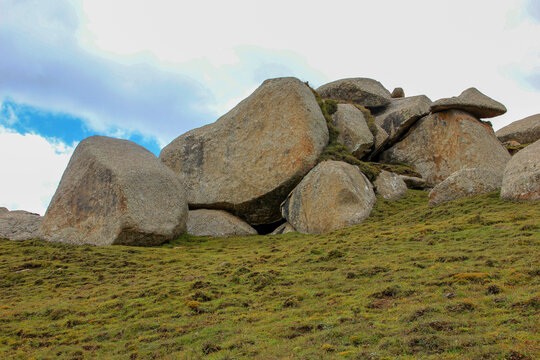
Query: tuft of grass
[[384, 289]]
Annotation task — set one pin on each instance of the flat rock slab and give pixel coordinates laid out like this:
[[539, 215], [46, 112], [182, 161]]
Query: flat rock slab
[[361, 91], [217, 223], [401, 114], [115, 192], [524, 131], [390, 186], [252, 157], [472, 101], [332, 196], [442, 143], [413, 182], [521, 179], [354, 132], [18, 225], [466, 182]]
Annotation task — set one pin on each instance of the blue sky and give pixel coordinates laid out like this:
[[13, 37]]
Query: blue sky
[[150, 71]]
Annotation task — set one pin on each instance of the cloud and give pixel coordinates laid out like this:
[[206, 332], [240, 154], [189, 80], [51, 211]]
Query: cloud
[[31, 172], [533, 9]]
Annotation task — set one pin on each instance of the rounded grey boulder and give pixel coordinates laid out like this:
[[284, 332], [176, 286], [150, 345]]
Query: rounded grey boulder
[[332, 196], [466, 182], [252, 157], [524, 131], [390, 186], [217, 223], [115, 192], [521, 179], [361, 91], [18, 225]]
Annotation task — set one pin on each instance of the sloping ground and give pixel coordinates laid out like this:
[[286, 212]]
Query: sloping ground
[[460, 281]]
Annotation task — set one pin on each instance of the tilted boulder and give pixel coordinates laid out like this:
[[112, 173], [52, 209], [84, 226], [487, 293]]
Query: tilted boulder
[[217, 223], [472, 101], [413, 182], [332, 196], [521, 179], [284, 228], [354, 132], [463, 183], [252, 157], [390, 186], [18, 225], [524, 131], [361, 91], [115, 192], [442, 143], [401, 114]]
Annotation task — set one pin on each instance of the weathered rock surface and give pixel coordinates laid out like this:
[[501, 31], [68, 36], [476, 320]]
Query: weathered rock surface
[[398, 93], [524, 131], [463, 183], [413, 182], [115, 192], [217, 223], [401, 114], [354, 132], [521, 179], [390, 186], [332, 196], [284, 228], [380, 139], [361, 91], [253, 156], [442, 143], [472, 101], [18, 224]]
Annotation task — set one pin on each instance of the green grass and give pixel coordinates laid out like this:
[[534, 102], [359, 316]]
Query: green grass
[[458, 281]]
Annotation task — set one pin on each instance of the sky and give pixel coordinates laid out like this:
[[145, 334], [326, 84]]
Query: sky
[[149, 71]]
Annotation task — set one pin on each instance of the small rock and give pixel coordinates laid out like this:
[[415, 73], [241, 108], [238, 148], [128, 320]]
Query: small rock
[[217, 223], [450, 295], [398, 93], [390, 186], [525, 131], [361, 91], [472, 101]]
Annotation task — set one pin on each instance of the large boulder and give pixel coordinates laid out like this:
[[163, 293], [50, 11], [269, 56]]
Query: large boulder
[[354, 132], [18, 224], [332, 196], [115, 192], [521, 179], [442, 143], [472, 101], [524, 131], [390, 186], [463, 183], [253, 156], [401, 114], [361, 91], [217, 223]]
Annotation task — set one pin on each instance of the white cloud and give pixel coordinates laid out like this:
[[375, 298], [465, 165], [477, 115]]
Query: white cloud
[[31, 170], [10, 118]]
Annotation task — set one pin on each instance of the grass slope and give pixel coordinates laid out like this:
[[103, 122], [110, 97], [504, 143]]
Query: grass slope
[[460, 281]]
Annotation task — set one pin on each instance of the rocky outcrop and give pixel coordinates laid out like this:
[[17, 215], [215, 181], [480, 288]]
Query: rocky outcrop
[[390, 186], [115, 192], [284, 228], [217, 223], [401, 114], [361, 91], [18, 225], [332, 196], [353, 130], [413, 182], [521, 179], [442, 143], [253, 156], [463, 183], [472, 101], [524, 131], [398, 93]]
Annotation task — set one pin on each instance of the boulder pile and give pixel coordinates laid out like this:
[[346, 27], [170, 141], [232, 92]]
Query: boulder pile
[[288, 158]]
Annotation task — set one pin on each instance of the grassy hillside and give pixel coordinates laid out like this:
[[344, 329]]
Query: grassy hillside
[[460, 281]]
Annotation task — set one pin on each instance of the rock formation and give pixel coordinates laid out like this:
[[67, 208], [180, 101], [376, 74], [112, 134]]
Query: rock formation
[[18, 224], [524, 131], [253, 156], [354, 132], [472, 101], [361, 91], [115, 192], [521, 179]]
